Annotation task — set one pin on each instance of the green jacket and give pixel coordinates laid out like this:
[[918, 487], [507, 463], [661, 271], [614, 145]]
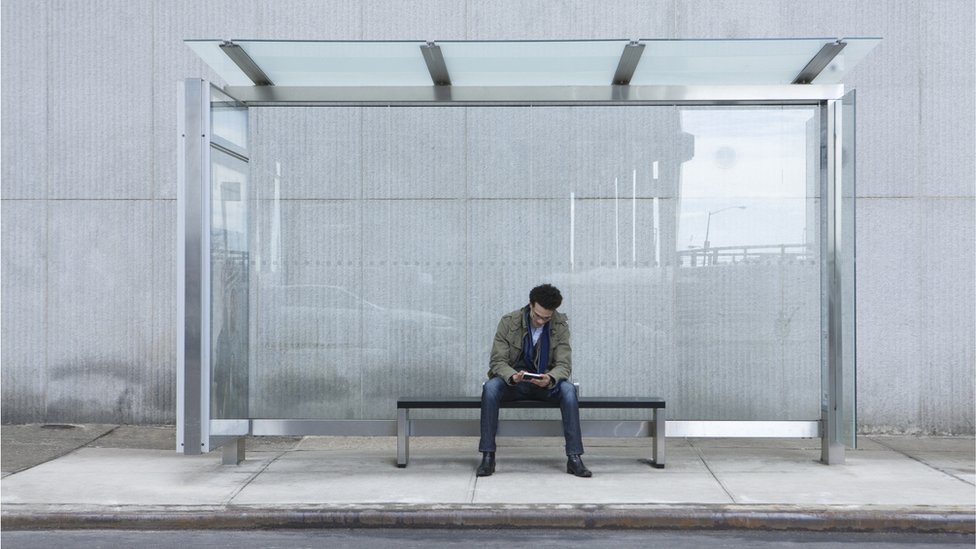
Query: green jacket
[[507, 347]]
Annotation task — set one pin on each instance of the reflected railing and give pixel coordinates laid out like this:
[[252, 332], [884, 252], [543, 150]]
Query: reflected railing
[[729, 255]]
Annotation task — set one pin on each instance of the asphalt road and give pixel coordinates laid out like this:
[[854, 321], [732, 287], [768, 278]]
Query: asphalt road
[[507, 539]]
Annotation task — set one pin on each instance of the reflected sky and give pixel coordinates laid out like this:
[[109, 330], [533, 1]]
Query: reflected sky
[[751, 158]]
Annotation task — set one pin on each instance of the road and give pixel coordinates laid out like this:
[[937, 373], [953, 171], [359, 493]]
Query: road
[[507, 539]]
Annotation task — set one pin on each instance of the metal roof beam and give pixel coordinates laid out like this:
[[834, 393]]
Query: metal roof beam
[[628, 63], [435, 64], [531, 95], [819, 62], [246, 64]]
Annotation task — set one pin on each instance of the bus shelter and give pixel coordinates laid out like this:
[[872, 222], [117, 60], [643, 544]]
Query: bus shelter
[[354, 217]]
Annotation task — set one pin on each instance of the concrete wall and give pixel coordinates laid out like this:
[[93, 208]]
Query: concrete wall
[[89, 180]]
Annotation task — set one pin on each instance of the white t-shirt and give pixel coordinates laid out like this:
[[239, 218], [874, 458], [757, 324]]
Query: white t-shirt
[[536, 332]]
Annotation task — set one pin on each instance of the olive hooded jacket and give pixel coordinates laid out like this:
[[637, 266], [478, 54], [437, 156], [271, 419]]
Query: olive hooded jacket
[[507, 346]]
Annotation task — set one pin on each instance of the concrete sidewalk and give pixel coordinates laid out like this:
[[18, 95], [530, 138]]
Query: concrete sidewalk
[[108, 476]]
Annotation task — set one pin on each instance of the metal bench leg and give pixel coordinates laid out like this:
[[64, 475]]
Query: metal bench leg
[[403, 436], [659, 421]]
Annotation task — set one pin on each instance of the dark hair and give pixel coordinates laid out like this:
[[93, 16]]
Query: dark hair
[[547, 296]]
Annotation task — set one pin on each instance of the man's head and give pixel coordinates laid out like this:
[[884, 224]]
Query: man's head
[[543, 301]]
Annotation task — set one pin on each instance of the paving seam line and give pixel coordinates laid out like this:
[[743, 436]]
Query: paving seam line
[[701, 456], [919, 460]]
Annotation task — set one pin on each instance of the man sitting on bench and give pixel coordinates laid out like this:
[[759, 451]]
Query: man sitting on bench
[[531, 359]]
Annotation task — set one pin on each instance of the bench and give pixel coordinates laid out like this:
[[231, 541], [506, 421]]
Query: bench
[[521, 427]]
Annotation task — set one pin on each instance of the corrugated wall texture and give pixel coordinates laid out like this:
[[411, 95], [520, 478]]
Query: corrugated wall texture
[[89, 184]]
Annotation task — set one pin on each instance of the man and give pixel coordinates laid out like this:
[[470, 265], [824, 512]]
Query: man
[[531, 359]]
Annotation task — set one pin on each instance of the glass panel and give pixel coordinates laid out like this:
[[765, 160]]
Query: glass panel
[[532, 63], [340, 63], [748, 290], [230, 273], [672, 62], [685, 241], [228, 122], [848, 58]]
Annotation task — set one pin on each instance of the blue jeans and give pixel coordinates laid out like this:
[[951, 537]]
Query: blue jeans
[[496, 391]]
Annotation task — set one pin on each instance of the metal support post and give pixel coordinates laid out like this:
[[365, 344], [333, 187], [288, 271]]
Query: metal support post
[[403, 436], [659, 442], [193, 268], [831, 446], [233, 453]]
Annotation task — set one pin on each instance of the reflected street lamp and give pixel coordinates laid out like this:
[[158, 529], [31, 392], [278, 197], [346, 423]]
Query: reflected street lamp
[[708, 223]]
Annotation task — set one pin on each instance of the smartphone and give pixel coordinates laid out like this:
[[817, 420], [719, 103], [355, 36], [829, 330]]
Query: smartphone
[[529, 376]]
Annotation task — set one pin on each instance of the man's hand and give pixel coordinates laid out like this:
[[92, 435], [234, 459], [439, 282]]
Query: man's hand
[[543, 382]]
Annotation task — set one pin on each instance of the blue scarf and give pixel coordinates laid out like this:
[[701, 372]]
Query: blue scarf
[[535, 362]]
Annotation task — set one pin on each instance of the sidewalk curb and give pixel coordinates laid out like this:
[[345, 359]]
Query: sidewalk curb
[[672, 517]]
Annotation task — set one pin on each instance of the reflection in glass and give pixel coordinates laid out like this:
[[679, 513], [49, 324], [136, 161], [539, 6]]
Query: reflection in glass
[[228, 120], [746, 194], [749, 286], [229, 252], [229, 258]]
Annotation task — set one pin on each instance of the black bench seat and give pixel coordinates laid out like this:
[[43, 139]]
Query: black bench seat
[[655, 427], [584, 402]]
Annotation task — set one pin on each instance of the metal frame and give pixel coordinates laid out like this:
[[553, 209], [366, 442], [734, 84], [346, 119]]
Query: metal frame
[[655, 428], [819, 62], [246, 64], [283, 96], [388, 427], [628, 63], [832, 392], [435, 64], [193, 268], [196, 432], [193, 368]]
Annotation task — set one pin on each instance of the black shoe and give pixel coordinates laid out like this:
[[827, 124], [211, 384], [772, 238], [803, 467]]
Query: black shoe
[[574, 466], [487, 466]]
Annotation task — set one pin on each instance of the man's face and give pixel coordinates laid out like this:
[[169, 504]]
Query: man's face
[[539, 315]]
